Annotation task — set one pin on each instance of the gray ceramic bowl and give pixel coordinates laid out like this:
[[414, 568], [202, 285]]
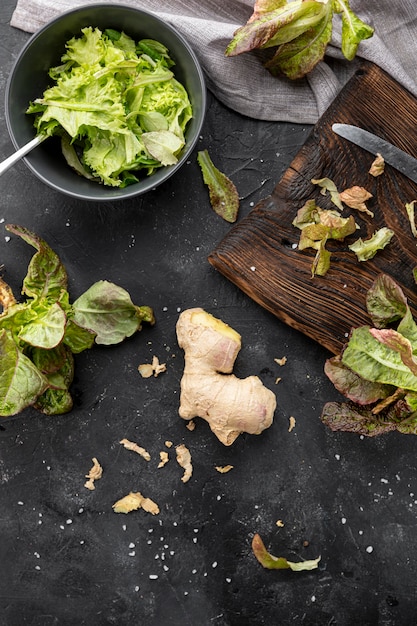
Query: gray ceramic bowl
[[29, 78]]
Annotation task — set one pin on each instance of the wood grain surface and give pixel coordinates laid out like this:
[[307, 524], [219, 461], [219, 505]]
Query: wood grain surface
[[259, 254]]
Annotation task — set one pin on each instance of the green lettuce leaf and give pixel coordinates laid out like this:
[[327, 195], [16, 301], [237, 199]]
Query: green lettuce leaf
[[385, 301], [300, 32], [367, 249], [108, 311], [298, 57], [267, 560], [46, 275], [376, 362], [354, 30], [20, 381], [352, 385], [277, 26], [223, 194]]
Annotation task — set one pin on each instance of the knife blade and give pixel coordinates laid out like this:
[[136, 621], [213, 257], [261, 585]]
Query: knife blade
[[402, 161]]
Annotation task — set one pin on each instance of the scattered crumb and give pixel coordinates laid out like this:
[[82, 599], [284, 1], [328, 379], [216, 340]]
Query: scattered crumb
[[280, 523], [130, 445], [378, 166], [168, 444], [184, 460], [134, 501], [278, 380], [223, 469], [281, 361], [292, 423], [95, 473], [146, 370], [164, 458], [190, 425]]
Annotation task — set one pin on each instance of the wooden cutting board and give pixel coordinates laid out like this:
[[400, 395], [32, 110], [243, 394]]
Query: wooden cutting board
[[258, 253]]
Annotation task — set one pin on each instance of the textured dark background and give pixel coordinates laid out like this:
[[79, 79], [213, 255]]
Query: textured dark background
[[65, 557]]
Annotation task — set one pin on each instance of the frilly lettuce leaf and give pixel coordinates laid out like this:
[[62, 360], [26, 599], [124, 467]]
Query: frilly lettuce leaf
[[367, 249]]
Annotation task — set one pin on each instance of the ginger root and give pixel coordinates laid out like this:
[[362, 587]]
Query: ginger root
[[209, 390]]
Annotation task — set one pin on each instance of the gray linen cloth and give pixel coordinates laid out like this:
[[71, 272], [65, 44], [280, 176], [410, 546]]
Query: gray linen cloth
[[242, 83]]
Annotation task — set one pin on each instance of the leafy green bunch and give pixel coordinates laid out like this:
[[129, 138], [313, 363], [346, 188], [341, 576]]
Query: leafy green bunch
[[117, 106], [38, 337], [377, 369], [298, 33]]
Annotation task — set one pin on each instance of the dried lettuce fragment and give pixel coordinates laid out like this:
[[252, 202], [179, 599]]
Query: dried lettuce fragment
[[377, 166], [327, 185], [355, 198], [223, 194], [269, 561], [409, 207]]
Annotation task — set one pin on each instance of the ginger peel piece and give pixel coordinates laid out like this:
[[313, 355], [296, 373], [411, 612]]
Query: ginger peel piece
[[230, 405], [223, 469], [134, 501], [94, 474], [164, 458], [134, 447], [184, 460]]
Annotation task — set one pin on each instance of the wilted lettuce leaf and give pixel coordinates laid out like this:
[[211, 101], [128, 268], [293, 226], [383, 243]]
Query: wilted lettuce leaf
[[349, 417], [269, 561], [300, 30], [327, 185], [317, 227]]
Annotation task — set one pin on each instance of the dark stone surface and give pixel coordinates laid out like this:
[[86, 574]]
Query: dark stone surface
[[65, 557]]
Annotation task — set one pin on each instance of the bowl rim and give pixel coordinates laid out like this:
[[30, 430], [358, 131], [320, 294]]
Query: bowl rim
[[146, 184]]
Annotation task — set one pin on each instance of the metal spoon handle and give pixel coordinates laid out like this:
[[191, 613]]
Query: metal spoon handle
[[14, 158]]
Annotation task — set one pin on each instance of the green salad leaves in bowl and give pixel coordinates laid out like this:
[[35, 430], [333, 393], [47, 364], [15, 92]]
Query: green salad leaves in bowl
[[117, 93]]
